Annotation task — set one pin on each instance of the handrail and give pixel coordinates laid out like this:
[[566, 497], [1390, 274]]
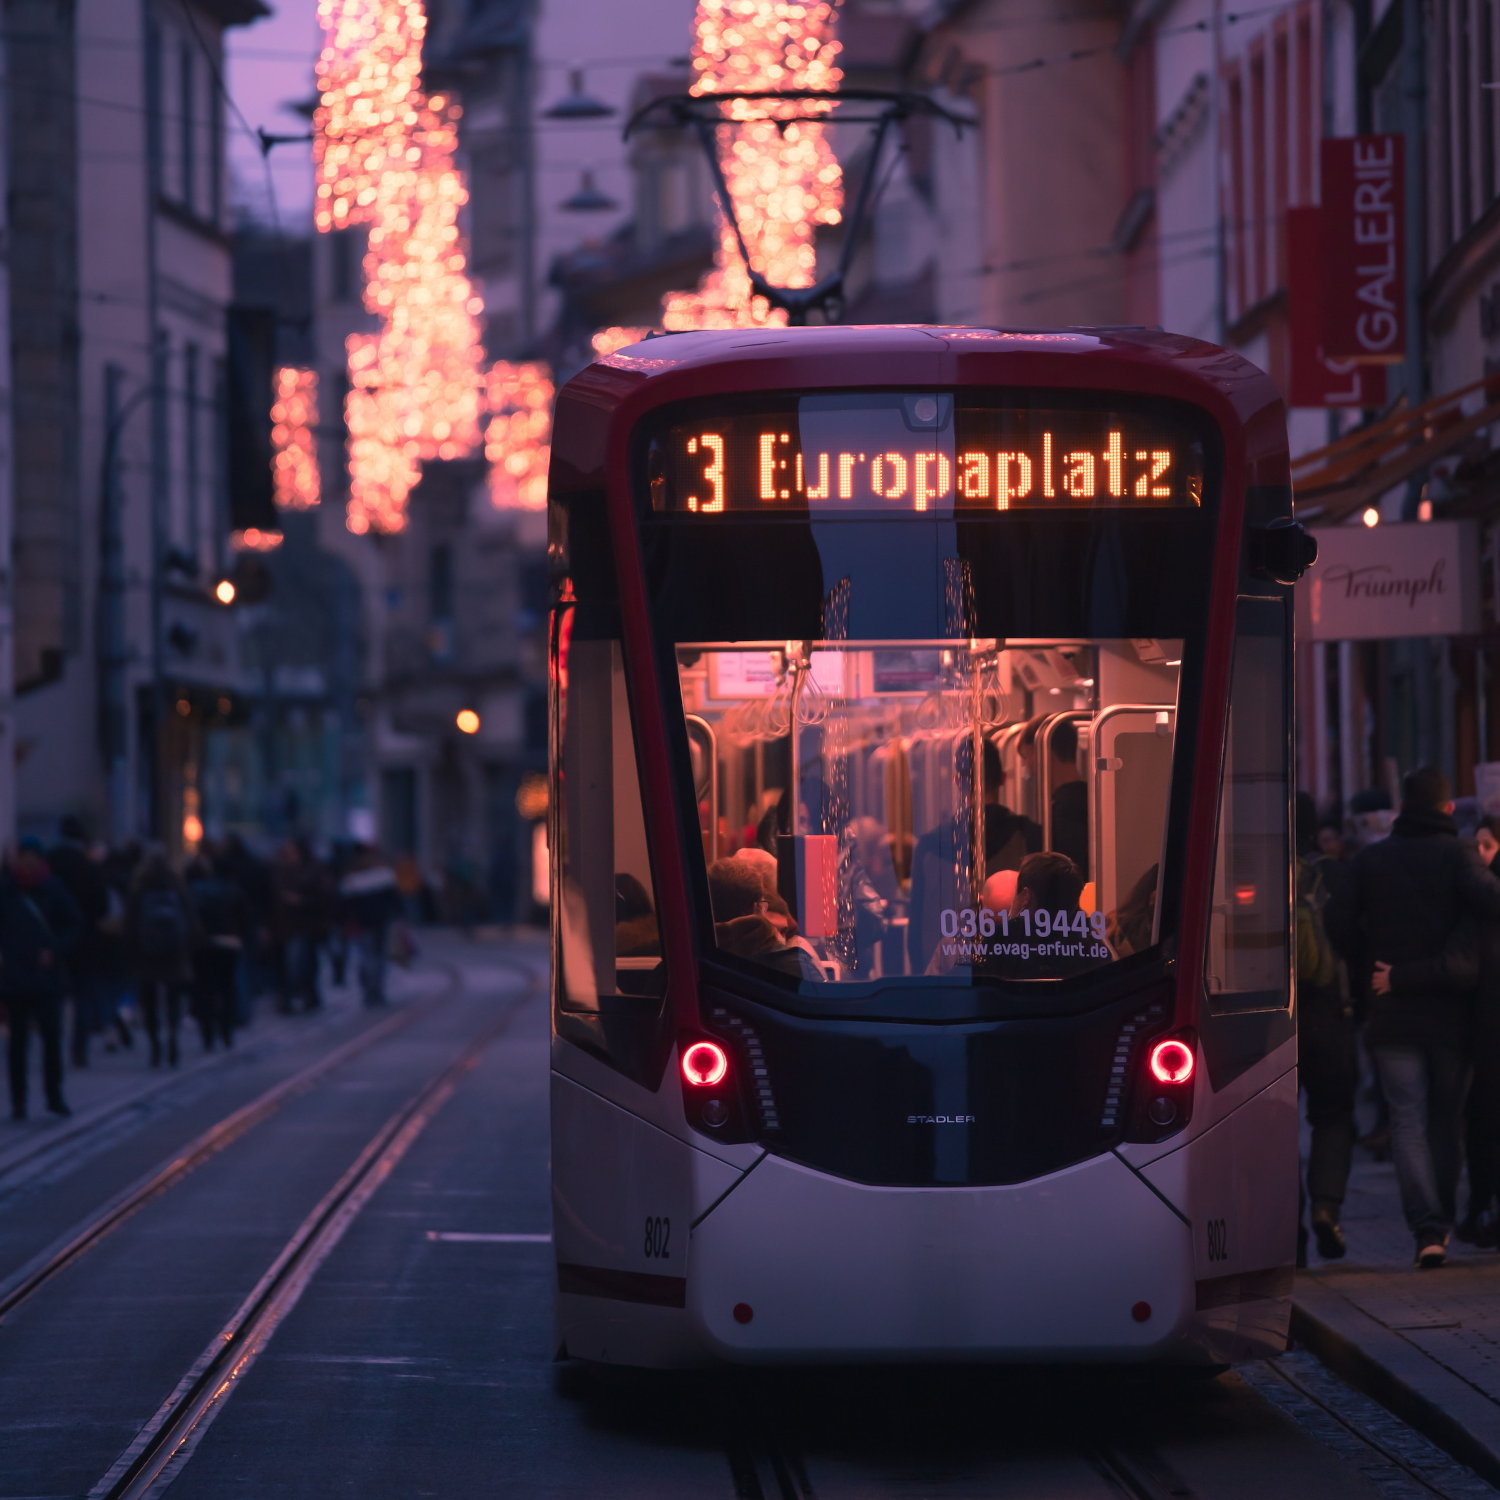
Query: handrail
[[1043, 744], [713, 783]]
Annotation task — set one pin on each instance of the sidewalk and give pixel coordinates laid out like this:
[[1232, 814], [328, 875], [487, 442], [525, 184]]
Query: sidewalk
[[1426, 1344]]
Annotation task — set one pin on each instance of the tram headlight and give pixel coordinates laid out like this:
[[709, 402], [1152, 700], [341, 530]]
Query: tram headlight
[[1172, 1061], [704, 1064]]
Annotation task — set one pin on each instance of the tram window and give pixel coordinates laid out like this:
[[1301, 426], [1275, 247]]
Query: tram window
[[610, 943], [1248, 952], [932, 809]]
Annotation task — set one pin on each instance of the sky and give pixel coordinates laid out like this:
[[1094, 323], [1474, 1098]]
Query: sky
[[268, 66]]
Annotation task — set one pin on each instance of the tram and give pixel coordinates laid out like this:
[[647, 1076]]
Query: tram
[[920, 833]]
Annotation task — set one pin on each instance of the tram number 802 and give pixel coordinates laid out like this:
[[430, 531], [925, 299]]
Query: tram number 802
[[658, 1239], [1218, 1240]]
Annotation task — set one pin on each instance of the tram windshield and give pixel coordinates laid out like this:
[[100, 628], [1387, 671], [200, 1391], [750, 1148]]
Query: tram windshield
[[881, 809], [932, 652]]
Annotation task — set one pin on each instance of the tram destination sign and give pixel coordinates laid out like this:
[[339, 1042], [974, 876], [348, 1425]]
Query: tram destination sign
[[1373, 583], [922, 454]]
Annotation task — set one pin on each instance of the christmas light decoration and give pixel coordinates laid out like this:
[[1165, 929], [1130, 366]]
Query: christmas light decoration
[[517, 441], [607, 340], [783, 177], [252, 539], [294, 423], [384, 156]]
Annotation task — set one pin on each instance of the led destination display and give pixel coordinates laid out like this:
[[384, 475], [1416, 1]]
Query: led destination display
[[916, 454]]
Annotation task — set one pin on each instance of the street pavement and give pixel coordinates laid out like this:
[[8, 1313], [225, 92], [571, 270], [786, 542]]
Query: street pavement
[[1426, 1343]]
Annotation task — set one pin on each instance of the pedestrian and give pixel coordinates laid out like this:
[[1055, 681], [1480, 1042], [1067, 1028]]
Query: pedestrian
[[1480, 1225], [39, 923], [1403, 901], [1327, 1069], [371, 901], [301, 911], [223, 918], [162, 934], [89, 980]]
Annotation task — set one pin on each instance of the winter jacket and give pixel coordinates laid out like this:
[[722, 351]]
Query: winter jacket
[[36, 920], [1402, 904], [158, 901], [370, 897]]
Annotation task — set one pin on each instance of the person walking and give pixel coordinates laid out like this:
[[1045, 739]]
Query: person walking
[[1481, 1225], [1404, 900], [162, 934], [39, 923], [223, 919], [83, 876], [1327, 1070], [371, 902]]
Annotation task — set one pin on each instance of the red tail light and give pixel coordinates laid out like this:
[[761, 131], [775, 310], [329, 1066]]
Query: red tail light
[[1171, 1062], [704, 1064]]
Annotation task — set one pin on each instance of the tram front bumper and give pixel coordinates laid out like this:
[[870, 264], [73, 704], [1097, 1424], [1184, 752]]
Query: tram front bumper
[[1085, 1264]]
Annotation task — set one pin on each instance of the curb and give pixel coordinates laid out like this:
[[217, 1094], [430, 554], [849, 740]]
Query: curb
[[1382, 1365]]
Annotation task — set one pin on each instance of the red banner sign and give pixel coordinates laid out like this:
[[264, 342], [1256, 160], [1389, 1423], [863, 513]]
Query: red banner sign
[[1364, 248], [1315, 379]]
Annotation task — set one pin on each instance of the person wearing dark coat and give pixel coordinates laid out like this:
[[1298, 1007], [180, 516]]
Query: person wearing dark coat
[[162, 933], [87, 968], [1481, 1223], [223, 917], [1327, 1063], [39, 923], [1397, 911], [1008, 838], [371, 902]]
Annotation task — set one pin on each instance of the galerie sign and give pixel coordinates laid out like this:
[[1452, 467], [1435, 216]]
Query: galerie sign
[[1375, 583], [1363, 229]]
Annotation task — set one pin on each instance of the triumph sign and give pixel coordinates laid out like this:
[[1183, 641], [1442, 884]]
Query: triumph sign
[[1374, 583]]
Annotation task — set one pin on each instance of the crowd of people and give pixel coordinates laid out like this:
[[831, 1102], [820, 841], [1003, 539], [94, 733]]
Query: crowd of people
[[1398, 979], [104, 943]]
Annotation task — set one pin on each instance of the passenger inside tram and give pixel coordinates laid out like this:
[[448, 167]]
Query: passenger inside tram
[[1070, 792], [1008, 838], [742, 901], [1046, 883], [888, 794]]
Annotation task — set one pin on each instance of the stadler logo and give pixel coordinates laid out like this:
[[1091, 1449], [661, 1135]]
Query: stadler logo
[[940, 1119], [1379, 581]]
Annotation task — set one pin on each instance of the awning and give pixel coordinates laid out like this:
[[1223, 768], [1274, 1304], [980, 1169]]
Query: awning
[[1336, 481]]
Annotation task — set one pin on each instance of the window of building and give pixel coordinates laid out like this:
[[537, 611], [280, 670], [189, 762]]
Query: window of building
[[187, 123], [192, 458]]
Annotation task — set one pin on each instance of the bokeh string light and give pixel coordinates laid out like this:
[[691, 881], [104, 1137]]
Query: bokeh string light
[[294, 449], [518, 440], [607, 340], [384, 155], [783, 178]]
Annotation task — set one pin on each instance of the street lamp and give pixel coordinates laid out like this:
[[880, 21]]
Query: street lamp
[[577, 105], [588, 199]]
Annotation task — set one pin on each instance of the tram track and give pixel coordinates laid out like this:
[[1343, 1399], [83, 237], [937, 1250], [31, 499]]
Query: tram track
[[29, 1278], [167, 1440]]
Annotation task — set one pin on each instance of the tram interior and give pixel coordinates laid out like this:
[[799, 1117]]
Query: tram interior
[[866, 808]]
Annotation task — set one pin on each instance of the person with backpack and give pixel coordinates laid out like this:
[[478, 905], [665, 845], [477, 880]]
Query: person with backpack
[[162, 934], [1396, 914], [1327, 1070], [39, 923]]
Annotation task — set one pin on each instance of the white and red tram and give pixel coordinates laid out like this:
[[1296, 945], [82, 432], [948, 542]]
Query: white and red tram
[[920, 830]]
